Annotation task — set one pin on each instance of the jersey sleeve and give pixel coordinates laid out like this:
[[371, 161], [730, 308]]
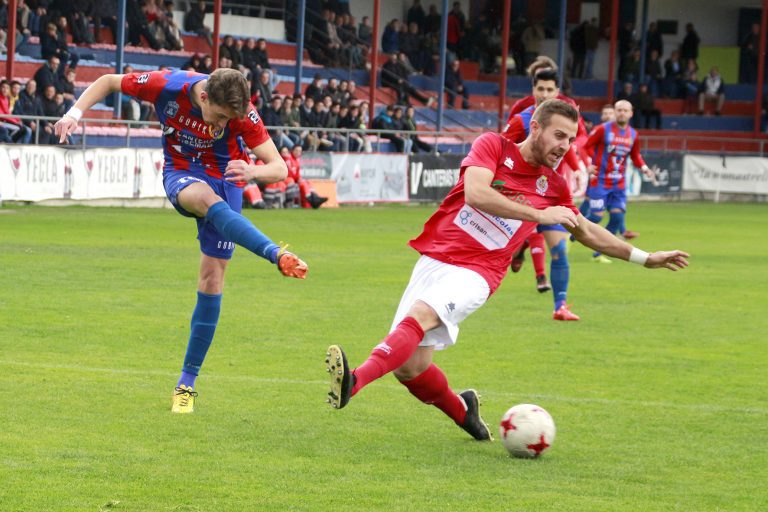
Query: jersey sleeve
[[634, 154], [144, 86], [597, 135], [485, 152], [515, 130], [251, 128]]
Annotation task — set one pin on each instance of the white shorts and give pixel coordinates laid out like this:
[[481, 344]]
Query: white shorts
[[453, 292]]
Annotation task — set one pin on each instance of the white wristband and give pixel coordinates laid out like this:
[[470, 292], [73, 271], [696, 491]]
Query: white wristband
[[638, 256], [75, 113]]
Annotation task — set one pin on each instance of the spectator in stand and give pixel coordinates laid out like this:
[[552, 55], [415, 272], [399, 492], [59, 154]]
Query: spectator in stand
[[331, 90], [67, 88], [417, 15], [270, 115], [264, 89], [454, 85], [53, 106], [289, 116], [345, 96], [54, 42], [653, 73], [315, 88], [689, 50], [15, 86], [173, 38], [365, 31], [578, 45], [79, 13], [653, 40], [627, 43], [643, 103], [138, 25], [390, 39], [351, 120], [410, 125], [625, 93], [433, 21], [591, 42], [674, 81], [39, 18], [395, 76], [207, 66], [194, 21], [399, 123], [712, 89], [750, 53], [319, 119], [229, 50], [104, 15], [18, 131], [456, 28], [47, 74], [194, 63], [413, 44], [632, 67], [385, 121], [532, 37], [28, 104], [333, 121]]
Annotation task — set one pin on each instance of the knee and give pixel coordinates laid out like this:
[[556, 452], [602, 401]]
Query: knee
[[558, 253], [424, 315]]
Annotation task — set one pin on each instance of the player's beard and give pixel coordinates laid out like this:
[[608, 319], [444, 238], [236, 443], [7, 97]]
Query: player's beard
[[540, 152]]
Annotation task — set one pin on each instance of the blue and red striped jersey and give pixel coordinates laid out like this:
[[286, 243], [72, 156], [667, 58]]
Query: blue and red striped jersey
[[609, 146], [189, 143]]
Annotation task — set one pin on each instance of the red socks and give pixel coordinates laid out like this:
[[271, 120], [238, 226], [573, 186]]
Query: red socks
[[538, 253], [431, 387], [390, 354]]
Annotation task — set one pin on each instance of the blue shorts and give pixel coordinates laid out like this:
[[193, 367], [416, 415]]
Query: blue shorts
[[212, 243], [601, 199], [553, 227]]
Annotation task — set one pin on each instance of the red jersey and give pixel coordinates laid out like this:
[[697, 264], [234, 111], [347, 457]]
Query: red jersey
[[189, 144], [294, 168], [530, 101], [461, 235]]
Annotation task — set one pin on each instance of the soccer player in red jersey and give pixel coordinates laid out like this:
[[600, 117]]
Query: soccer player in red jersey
[[504, 191], [208, 123], [609, 146]]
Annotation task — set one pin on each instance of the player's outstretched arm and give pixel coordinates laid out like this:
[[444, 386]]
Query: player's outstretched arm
[[598, 238], [95, 92]]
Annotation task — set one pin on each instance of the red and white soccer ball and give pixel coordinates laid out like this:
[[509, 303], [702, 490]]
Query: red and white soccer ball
[[527, 431]]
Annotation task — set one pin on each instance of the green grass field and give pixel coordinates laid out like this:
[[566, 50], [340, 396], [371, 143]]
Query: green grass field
[[659, 393]]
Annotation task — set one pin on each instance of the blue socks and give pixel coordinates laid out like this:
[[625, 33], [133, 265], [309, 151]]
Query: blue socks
[[203, 326], [559, 272], [616, 223], [237, 228]]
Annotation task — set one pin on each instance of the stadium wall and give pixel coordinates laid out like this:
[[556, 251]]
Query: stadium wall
[[243, 26]]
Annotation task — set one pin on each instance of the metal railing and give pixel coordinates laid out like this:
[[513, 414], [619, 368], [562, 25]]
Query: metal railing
[[463, 138]]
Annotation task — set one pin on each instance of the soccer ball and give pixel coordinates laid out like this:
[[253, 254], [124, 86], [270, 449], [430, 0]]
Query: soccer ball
[[527, 431]]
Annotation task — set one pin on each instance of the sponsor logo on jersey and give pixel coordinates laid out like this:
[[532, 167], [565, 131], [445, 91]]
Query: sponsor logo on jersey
[[171, 108], [542, 185], [253, 116], [509, 163]]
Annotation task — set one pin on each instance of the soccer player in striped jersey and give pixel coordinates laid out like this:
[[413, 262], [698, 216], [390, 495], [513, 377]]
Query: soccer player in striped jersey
[[208, 124], [504, 191], [609, 146]]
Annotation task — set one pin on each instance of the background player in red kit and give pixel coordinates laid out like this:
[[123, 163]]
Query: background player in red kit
[[504, 191], [208, 123]]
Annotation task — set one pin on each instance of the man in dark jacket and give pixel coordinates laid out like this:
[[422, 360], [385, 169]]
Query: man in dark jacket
[[454, 85]]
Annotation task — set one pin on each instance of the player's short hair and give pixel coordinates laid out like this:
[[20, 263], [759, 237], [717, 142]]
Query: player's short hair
[[541, 62], [544, 112], [228, 88], [545, 74], [608, 105]]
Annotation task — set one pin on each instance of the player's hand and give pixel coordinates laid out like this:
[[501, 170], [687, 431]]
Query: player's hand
[[237, 170], [558, 215], [672, 260], [64, 127], [592, 169], [291, 265]]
